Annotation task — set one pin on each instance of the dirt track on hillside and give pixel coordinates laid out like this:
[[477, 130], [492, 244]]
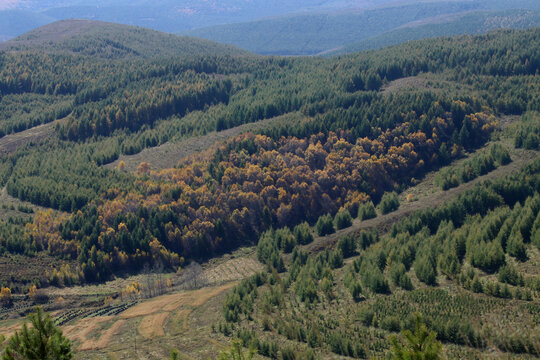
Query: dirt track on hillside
[[427, 197], [169, 154], [11, 143]]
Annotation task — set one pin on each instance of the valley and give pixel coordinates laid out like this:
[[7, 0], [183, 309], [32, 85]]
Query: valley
[[168, 195]]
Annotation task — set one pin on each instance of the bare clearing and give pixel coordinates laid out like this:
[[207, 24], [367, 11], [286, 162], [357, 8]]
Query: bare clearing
[[232, 270], [10, 143], [83, 330], [173, 302], [13, 207], [152, 326], [408, 83], [104, 339], [169, 154], [9, 330]]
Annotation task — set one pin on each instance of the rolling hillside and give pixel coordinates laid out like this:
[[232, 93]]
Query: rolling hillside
[[165, 15], [109, 40], [320, 32], [120, 176], [459, 24]]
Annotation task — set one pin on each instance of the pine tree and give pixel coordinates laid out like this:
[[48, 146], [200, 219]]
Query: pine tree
[[236, 352], [42, 341], [420, 345]]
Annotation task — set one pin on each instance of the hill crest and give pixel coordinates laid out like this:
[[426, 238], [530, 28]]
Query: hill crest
[[111, 40]]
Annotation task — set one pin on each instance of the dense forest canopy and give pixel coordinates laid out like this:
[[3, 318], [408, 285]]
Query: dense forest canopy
[[364, 191], [354, 142]]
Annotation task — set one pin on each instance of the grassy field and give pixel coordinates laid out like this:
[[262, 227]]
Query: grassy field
[[104, 322]]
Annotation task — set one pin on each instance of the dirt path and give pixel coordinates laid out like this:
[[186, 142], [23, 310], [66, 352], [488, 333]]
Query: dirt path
[[169, 154], [427, 196]]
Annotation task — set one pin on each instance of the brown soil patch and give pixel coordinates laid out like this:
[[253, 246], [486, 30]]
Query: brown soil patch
[[149, 307], [182, 316], [202, 296], [84, 328], [174, 301], [151, 326], [10, 330], [104, 339], [178, 302]]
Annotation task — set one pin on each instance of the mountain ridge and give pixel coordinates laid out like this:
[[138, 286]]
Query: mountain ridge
[[111, 40], [316, 33]]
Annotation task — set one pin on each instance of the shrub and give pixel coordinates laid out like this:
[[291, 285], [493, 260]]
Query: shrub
[[516, 248], [5, 296], [356, 291], [343, 219], [426, 270], [302, 234], [268, 252], [347, 245], [367, 238], [366, 315], [325, 225], [41, 297], [399, 276], [391, 323], [389, 202], [336, 259], [285, 240], [367, 211], [422, 344], [509, 275], [236, 352], [375, 281]]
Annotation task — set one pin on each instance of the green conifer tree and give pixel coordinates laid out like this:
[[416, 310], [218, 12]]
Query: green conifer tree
[[42, 341], [420, 345]]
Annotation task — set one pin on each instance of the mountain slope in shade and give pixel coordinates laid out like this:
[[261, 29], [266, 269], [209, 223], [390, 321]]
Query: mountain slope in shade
[[109, 40], [469, 23]]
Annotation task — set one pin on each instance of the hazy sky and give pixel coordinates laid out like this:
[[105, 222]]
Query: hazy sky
[[8, 4]]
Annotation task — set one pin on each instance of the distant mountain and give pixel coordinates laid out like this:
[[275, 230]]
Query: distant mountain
[[16, 22], [102, 39], [469, 23], [319, 32], [18, 17]]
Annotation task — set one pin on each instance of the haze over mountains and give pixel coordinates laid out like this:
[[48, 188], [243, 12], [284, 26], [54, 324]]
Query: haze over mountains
[[17, 17], [285, 27], [361, 29], [108, 40]]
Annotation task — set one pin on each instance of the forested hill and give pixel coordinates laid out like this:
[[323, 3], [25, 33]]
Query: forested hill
[[342, 141], [109, 40], [471, 23], [313, 33]]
